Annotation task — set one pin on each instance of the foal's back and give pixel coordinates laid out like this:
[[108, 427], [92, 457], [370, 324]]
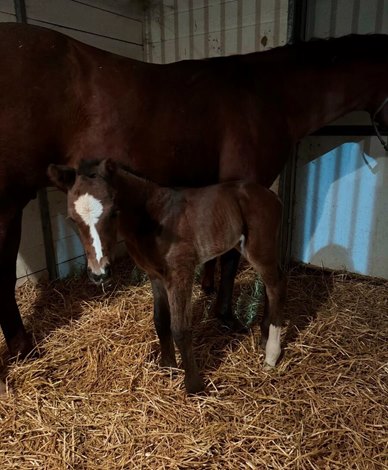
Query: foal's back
[[222, 216]]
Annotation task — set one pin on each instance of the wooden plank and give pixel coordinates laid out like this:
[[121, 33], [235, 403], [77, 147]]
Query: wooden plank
[[79, 16], [126, 49]]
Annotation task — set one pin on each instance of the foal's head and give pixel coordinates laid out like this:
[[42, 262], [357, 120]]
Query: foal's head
[[92, 207]]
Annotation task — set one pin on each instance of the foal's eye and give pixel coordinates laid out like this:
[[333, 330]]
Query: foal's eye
[[114, 214]]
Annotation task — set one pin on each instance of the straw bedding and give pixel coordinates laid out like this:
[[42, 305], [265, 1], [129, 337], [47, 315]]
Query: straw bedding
[[95, 398]]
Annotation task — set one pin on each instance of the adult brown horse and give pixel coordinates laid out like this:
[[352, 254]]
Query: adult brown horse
[[189, 123]]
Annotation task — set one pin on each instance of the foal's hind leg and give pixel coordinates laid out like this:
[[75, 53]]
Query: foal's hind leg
[[262, 252], [275, 293], [162, 323]]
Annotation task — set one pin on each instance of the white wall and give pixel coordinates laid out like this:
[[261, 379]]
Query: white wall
[[113, 25], [340, 219]]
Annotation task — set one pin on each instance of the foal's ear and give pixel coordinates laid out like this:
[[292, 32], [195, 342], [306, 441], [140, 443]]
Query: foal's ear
[[61, 176], [107, 168]]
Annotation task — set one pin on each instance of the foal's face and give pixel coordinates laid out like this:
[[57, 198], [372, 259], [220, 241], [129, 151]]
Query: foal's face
[[91, 206]]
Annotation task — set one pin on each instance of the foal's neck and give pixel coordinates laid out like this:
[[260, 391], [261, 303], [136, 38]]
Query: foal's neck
[[134, 192]]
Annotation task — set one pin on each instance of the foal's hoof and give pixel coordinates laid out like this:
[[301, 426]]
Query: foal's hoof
[[3, 388], [268, 367], [194, 386]]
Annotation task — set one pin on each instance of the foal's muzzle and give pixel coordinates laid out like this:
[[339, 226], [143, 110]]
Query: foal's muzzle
[[102, 278]]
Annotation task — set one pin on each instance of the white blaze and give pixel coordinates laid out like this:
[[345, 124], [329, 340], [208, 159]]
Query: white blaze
[[272, 348], [90, 209]]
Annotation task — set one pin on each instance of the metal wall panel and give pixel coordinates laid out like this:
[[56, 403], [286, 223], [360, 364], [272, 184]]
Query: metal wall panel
[[191, 29], [340, 219]]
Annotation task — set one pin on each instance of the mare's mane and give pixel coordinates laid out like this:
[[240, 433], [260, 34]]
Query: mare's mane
[[370, 47], [87, 167]]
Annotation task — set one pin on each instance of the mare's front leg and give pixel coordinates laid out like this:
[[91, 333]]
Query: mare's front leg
[[17, 340], [223, 308], [162, 323], [179, 291]]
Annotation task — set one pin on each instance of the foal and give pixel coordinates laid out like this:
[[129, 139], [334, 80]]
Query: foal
[[169, 232]]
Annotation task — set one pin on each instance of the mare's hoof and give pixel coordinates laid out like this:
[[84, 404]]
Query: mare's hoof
[[232, 323], [168, 363], [194, 387], [208, 287]]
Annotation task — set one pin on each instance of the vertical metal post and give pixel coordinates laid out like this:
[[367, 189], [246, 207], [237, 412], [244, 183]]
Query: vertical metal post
[[51, 265], [297, 14], [20, 11]]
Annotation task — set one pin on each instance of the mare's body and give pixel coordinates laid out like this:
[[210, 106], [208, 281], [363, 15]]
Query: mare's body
[[169, 232], [189, 123]]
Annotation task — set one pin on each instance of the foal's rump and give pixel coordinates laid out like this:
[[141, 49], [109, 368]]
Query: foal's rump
[[233, 214], [261, 211]]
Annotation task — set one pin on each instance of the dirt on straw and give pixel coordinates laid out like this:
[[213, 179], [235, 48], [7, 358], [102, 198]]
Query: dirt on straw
[[95, 397]]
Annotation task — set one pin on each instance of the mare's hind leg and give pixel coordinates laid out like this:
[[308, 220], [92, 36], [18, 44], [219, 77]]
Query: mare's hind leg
[[207, 281], [223, 308], [179, 291], [162, 323], [17, 340]]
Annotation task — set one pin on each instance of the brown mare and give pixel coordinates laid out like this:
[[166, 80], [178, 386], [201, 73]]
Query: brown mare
[[190, 123], [169, 232]]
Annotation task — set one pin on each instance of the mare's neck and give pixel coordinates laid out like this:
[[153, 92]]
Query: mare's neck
[[318, 95]]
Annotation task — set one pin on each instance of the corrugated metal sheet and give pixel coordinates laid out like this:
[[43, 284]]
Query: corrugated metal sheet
[[340, 219], [192, 29]]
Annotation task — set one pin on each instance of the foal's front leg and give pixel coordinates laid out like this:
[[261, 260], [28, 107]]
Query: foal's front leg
[[179, 291], [162, 323]]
